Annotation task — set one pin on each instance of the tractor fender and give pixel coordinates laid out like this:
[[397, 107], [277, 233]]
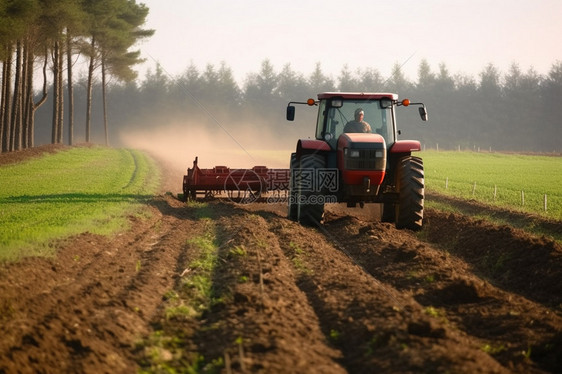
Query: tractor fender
[[405, 146], [311, 146]]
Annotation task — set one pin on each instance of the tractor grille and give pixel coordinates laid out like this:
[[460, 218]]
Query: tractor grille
[[369, 159]]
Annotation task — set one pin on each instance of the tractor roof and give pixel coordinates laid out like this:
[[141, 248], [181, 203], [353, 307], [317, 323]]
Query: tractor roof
[[358, 95]]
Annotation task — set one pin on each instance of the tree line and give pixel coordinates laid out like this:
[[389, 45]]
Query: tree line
[[508, 111], [55, 34]]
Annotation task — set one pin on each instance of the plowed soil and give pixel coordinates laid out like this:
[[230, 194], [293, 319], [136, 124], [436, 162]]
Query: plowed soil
[[351, 296]]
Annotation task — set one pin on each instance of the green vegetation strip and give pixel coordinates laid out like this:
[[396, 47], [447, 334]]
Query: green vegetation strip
[[167, 350], [70, 192], [518, 182], [197, 288]]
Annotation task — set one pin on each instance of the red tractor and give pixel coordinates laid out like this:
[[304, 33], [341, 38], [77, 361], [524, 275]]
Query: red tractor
[[356, 159]]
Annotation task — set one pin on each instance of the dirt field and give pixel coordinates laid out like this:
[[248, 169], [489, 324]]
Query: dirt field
[[353, 296]]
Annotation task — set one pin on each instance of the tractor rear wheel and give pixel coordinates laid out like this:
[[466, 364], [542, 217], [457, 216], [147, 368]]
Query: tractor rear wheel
[[293, 208], [310, 199], [410, 185]]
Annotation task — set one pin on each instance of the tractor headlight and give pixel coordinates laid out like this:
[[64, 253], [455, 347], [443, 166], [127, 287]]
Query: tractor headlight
[[364, 159], [354, 153]]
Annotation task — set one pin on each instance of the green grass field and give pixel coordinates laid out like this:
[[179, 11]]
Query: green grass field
[[511, 181], [72, 191]]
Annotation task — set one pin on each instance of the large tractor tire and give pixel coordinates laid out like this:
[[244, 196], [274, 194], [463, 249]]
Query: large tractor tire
[[410, 185], [388, 212], [293, 208], [310, 199]]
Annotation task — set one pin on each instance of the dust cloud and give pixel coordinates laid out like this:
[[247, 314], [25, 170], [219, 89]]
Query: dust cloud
[[176, 144]]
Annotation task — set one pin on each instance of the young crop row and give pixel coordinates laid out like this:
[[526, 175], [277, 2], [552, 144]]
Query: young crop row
[[73, 191], [528, 183]]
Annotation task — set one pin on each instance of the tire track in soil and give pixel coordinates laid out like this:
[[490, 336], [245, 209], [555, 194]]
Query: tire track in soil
[[511, 258], [520, 333], [84, 310], [376, 327], [263, 322], [310, 307]]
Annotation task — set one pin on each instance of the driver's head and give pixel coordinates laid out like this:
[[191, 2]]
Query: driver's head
[[359, 114]]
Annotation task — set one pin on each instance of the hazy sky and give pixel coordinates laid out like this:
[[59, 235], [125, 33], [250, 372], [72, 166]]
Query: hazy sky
[[466, 35]]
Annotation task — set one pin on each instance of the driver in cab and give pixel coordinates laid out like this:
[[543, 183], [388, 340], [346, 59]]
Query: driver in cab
[[357, 125]]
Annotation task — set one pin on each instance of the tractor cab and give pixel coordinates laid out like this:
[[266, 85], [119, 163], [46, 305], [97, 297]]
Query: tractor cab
[[339, 114]]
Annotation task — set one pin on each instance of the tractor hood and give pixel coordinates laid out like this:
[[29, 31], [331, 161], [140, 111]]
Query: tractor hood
[[362, 157], [361, 140]]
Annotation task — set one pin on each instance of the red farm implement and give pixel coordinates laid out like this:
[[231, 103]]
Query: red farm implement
[[240, 185]]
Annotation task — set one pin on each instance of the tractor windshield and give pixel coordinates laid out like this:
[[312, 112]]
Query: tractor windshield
[[354, 116]]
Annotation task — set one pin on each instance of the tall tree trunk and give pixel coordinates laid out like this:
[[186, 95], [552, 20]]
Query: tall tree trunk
[[15, 131], [25, 94], [2, 96], [104, 101], [7, 101], [70, 89], [60, 106], [34, 106], [89, 90], [2, 108], [56, 94]]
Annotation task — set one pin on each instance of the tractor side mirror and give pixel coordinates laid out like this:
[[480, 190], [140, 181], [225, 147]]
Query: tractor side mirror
[[423, 113], [290, 113]]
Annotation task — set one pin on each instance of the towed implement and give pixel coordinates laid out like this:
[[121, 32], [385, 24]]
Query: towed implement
[[356, 158], [258, 184]]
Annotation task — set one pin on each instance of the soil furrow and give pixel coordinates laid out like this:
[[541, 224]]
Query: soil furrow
[[507, 257], [519, 333], [262, 321], [376, 327], [110, 291]]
